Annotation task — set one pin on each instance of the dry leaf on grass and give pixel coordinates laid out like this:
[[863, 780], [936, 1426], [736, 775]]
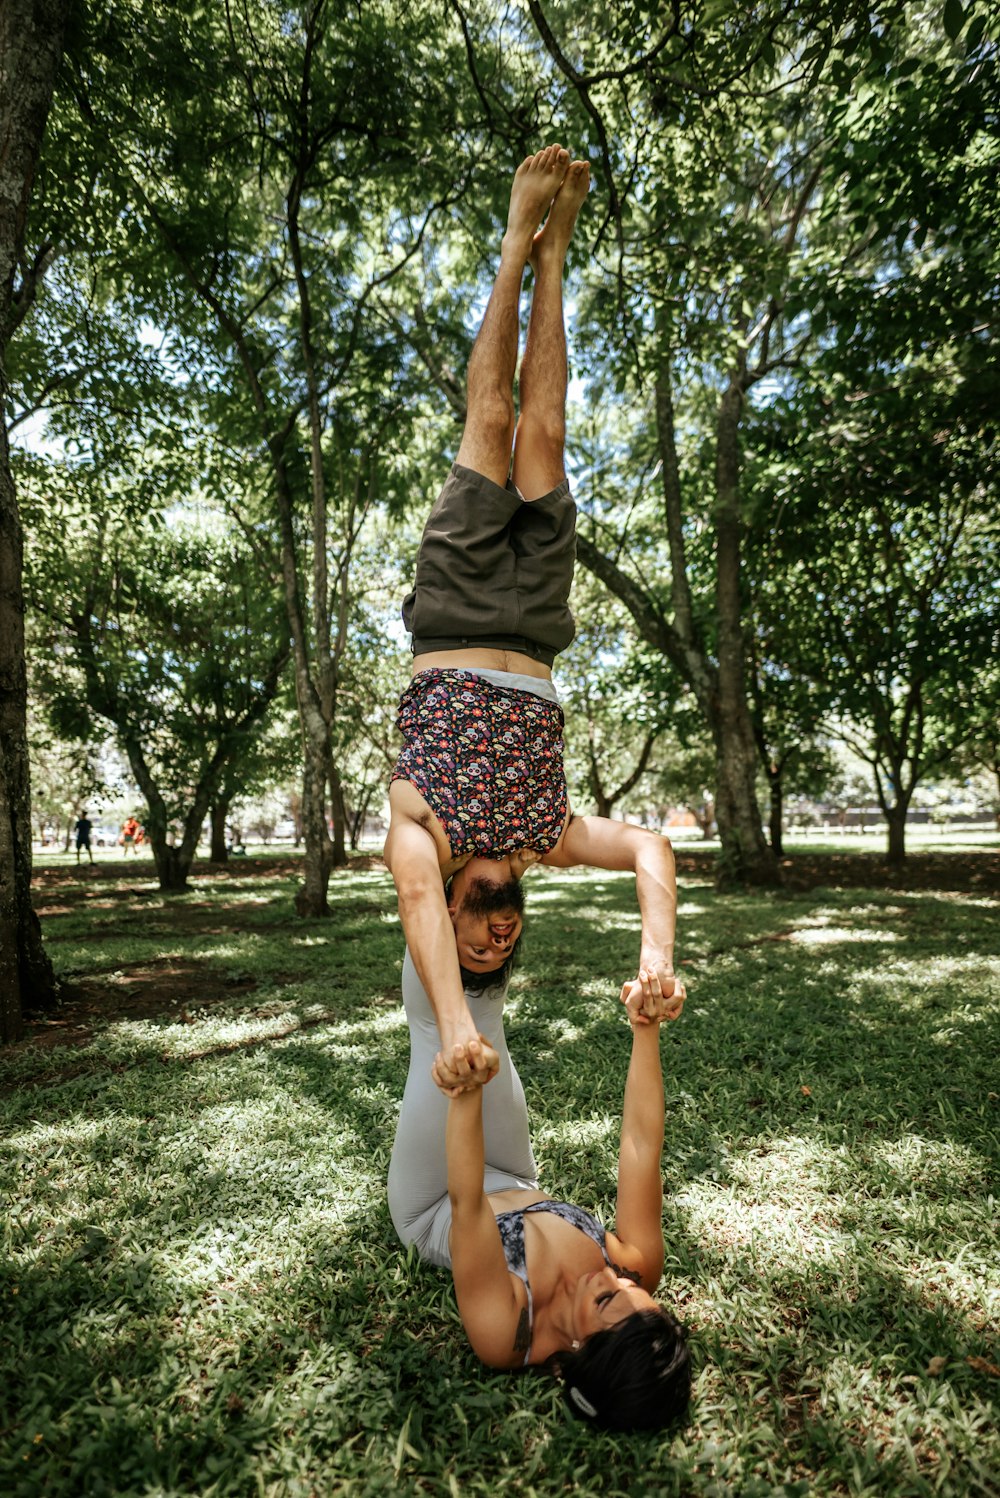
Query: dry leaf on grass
[[936, 1365], [807, 1091], [982, 1366]]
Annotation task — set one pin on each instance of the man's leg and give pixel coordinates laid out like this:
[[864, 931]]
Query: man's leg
[[541, 429], [489, 425]]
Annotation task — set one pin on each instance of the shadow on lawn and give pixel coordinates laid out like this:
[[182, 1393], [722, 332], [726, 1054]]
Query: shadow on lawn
[[349, 1337]]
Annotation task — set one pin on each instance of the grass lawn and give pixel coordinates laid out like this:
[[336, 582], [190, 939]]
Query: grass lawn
[[203, 1292]]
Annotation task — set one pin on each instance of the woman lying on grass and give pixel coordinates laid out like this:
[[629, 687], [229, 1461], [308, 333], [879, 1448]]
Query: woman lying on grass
[[540, 1283]]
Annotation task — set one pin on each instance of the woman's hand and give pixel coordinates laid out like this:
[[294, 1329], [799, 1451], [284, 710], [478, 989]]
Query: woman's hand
[[656, 994], [468, 1067]]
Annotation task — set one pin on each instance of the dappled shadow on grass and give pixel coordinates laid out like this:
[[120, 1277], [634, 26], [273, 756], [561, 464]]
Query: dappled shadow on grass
[[805, 869], [161, 1251], [829, 1138], [214, 1310], [282, 964]]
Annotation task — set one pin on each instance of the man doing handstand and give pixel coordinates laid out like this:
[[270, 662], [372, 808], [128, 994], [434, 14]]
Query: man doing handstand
[[479, 790]]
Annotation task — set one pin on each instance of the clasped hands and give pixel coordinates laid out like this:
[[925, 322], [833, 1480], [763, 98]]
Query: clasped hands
[[465, 1067], [654, 995]]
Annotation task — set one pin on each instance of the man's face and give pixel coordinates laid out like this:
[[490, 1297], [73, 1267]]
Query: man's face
[[485, 911]]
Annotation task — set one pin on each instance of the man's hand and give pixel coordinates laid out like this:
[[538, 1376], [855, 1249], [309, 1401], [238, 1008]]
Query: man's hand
[[655, 995], [466, 1067]]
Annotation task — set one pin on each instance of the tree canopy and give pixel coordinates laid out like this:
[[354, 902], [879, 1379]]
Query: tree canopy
[[255, 257]]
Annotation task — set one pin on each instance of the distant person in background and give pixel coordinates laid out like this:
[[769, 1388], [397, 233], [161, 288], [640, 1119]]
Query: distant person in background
[[83, 830], [131, 835]]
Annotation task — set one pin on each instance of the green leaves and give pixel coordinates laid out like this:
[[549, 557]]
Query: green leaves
[[954, 19]]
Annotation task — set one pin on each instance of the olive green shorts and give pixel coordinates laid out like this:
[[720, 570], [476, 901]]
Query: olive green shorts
[[494, 570]]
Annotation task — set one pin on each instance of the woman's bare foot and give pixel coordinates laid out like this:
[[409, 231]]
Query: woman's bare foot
[[536, 182], [553, 239]]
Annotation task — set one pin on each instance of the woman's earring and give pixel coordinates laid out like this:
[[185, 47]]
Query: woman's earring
[[576, 1347]]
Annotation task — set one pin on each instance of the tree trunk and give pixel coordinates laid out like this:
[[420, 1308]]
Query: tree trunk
[[338, 807], [359, 818], [295, 812], [603, 806], [704, 815], [775, 829], [311, 898], [720, 689], [745, 855], [31, 43], [173, 862], [218, 815], [895, 817], [172, 867]]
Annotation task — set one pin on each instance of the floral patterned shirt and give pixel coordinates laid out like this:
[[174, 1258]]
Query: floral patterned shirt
[[488, 760]]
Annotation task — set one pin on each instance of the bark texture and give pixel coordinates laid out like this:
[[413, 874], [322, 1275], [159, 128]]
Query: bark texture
[[717, 678], [776, 826], [218, 817], [31, 44]]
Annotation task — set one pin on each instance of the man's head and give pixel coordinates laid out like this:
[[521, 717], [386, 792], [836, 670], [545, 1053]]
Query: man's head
[[486, 907]]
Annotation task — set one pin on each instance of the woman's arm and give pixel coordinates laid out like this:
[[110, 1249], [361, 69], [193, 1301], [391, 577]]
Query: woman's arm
[[494, 1321], [640, 1186]]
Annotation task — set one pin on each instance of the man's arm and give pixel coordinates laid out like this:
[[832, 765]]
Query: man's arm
[[412, 859], [599, 843]]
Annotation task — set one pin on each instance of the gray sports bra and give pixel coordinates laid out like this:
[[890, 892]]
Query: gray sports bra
[[511, 1226]]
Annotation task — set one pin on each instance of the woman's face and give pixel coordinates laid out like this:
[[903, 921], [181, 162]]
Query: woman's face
[[485, 910], [603, 1299]]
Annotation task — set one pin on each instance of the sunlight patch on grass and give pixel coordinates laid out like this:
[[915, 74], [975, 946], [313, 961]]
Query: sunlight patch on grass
[[583, 1133], [785, 1167], [927, 974], [179, 1040], [79, 960], [940, 1165], [815, 936], [769, 1233]]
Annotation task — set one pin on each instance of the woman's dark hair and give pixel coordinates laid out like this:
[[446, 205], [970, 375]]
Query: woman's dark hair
[[634, 1376]]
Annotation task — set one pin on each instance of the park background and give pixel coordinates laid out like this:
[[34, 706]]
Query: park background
[[245, 250]]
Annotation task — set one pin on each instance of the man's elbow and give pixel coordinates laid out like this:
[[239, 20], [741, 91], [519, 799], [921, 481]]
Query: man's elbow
[[416, 889], [653, 847]]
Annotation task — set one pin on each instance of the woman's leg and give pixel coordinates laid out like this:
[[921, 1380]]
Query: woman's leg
[[543, 533], [465, 588], [418, 1170]]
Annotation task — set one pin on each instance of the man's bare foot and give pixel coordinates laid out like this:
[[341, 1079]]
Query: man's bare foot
[[536, 182], [553, 239]]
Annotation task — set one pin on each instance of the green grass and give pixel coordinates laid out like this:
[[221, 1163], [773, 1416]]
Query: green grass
[[202, 1290], [922, 837]]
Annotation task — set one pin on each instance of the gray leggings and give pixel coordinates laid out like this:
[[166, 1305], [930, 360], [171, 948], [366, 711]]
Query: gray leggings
[[418, 1170]]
